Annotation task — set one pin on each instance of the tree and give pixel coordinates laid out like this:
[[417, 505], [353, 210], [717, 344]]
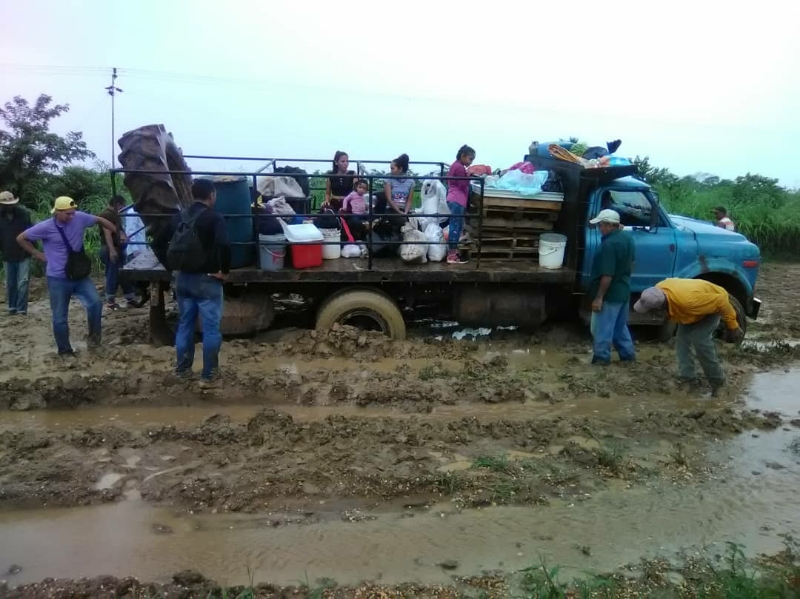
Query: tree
[[28, 149]]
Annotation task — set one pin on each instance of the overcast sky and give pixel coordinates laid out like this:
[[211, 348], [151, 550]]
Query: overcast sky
[[698, 86]]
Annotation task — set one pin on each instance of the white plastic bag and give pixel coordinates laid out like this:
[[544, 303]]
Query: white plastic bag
[[438, 250], [413, 252], [519, 182], [434, 201], [351, 250], [417, 223]]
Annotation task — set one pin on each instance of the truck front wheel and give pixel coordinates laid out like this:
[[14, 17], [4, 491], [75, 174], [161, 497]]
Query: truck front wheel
[[741, 317], [365, 309]]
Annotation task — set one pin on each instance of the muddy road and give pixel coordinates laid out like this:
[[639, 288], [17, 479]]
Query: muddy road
[[349, 457]]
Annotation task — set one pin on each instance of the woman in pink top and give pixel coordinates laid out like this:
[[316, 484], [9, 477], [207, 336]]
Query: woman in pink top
[[457, 197]]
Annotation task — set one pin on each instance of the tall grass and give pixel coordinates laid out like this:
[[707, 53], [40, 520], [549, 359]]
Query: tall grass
[[763, 211]]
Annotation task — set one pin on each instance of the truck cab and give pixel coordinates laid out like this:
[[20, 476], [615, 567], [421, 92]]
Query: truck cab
[[673, 246]]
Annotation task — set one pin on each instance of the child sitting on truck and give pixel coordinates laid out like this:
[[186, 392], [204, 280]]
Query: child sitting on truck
[[457, 197], [355, 203]]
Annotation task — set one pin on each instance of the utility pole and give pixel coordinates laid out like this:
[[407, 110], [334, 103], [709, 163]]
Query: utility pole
[[113, 90]]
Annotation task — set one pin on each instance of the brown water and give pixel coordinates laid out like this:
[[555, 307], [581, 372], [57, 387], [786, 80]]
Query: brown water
[[190, 415], [752, 501]]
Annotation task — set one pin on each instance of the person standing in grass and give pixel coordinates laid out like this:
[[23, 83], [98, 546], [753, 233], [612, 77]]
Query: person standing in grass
[[112, 255], [457, 198], [68, 267], [13, 221], [610, 290], [338, 186], [721, 216], [698, 307]]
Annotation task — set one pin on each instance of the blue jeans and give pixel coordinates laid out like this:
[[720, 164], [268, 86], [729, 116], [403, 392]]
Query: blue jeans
[[112, 276], [699, 336], [17, 278], [61, 291], [198, 293], [610, 327], [456, 224]]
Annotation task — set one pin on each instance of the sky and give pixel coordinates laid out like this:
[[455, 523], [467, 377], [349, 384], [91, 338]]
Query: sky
[[699, 87]]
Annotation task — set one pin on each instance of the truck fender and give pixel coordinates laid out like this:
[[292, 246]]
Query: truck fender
[[722, 272]]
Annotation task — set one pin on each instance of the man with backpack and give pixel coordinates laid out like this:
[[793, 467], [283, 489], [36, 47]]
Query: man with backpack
[[68, 267], [200, 252]]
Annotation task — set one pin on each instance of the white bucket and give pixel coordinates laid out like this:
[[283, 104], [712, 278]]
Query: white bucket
[[272, 251], [551, 250], [331, 251]]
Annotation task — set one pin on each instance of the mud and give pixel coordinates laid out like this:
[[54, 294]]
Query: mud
[[327, 433]]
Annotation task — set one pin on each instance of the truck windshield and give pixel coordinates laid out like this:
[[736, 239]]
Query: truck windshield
[[634, 207]]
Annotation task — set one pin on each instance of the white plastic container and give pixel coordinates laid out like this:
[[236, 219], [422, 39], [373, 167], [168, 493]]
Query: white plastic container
[[331, 251], [551, 250], [305, 233]]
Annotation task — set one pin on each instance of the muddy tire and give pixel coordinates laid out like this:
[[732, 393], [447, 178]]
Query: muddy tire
[[666, 331], [247, 314], [741, 318], [367, 309], [152, 148]]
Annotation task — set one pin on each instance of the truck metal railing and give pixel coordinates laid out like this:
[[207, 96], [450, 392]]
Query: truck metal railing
[[371, 214], [274, 163]]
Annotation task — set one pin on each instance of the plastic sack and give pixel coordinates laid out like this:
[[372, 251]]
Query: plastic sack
[[417, 222], [525, 167], [282, 208], [351, 250], [286, 187], [438, 249], [434, 201], [413, 252], [519, 182]]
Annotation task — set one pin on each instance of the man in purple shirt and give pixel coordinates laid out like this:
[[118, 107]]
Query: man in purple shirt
[[67, 224]]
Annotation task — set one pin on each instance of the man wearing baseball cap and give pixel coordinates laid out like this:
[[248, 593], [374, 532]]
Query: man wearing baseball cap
[[697, 306], [13, 221], [62, 238], [610, 290]]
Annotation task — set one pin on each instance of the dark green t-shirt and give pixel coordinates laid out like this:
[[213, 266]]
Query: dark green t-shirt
[[614, 259]]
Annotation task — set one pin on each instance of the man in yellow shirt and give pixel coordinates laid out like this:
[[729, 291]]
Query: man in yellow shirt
[[697, 306]]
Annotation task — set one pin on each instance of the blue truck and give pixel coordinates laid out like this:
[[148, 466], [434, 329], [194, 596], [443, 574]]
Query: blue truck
[[384, 293]]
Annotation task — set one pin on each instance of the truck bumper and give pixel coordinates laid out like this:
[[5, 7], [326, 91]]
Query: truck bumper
[[753, 308]]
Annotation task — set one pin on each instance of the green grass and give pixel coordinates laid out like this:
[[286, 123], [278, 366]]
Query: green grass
[[764, 212], [732, 577], [497, 463]]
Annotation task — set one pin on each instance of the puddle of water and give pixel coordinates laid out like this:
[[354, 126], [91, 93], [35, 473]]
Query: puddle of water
[[618, 525], [182, 416], [776, 391], [752, 500]]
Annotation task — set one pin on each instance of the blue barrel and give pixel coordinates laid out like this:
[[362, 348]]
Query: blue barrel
[[233, 199]]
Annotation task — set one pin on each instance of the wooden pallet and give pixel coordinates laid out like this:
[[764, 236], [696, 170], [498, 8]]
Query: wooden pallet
[[538, 205], [505, 241], [529, 226], [502, 253]]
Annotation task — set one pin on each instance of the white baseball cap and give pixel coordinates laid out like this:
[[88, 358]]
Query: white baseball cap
[[606, 216]]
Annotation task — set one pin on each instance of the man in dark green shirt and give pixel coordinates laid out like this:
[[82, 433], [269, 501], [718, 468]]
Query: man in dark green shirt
[[610, 290]]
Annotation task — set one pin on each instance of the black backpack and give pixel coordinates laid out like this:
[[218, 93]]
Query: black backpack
[[186, 252]]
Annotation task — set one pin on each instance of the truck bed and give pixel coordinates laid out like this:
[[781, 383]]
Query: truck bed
[[146, 268]]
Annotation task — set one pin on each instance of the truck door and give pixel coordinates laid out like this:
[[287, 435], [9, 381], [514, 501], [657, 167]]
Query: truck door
[[655, 245]]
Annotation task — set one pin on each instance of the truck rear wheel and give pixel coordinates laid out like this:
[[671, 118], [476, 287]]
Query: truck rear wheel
[[366, 309]]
